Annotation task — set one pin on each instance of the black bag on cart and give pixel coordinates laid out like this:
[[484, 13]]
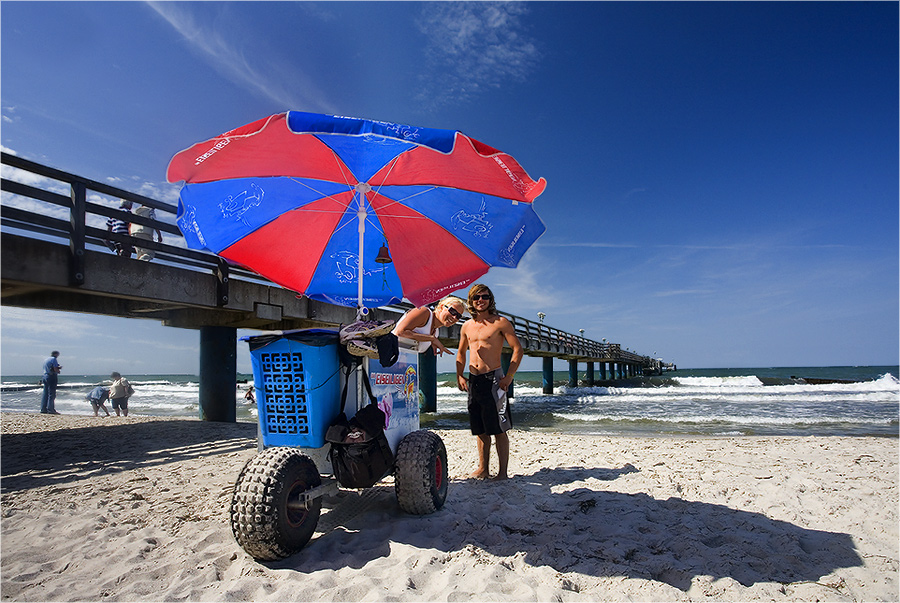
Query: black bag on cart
[[360, 454]]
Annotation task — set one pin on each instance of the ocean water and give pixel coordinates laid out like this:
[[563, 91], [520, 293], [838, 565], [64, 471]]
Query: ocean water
[[721, 402]]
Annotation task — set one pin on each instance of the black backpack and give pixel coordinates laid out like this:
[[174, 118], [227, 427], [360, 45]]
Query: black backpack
[[360, 454]]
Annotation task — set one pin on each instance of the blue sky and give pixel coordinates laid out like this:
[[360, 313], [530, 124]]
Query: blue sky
[[722, 177]]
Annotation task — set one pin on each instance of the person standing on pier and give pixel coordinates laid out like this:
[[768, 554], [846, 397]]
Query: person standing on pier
[[120, 226], [49, 380], [144, 232], [489, 412]]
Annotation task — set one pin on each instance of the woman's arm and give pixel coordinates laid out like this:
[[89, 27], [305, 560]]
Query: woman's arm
[[415, 319]]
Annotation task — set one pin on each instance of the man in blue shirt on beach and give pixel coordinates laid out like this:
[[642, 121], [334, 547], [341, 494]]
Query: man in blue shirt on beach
[[50, 379]]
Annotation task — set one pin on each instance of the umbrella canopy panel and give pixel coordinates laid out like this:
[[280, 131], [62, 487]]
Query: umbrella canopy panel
[[286, 197]]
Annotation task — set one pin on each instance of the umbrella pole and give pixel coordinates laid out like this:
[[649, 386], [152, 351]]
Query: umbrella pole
[[362, 188]]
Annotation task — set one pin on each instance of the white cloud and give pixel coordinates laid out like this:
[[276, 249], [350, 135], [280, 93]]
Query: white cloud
[[591, 244], [274, 79], [21, 324], [474, 45], [675, 292], [93, 344]]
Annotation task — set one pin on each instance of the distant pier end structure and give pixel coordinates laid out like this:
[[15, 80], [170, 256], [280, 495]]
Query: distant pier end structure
[[55, 255]]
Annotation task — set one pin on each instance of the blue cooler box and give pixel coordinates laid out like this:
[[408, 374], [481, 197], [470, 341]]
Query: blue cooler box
[[297, 379]]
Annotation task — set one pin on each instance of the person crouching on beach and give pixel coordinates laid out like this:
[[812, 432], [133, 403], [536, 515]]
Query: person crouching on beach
[[119, 392], [421, 324], [489, 412], [97, 398]]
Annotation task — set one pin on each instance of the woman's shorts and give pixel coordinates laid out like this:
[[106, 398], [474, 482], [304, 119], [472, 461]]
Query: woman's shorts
[[119, 403]]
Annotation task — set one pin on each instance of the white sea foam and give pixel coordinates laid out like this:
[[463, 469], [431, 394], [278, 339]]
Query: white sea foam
[[746, 381], [706, 405]]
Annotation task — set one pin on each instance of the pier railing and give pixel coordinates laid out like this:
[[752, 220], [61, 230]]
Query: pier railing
[[48, 203], [76, 210]]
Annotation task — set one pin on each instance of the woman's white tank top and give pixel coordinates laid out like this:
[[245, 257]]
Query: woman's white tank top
[[425, 329]]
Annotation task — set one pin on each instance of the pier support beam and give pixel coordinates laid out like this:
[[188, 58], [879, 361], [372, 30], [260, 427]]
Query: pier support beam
[[505, 360], [547, 375], [590, 374], [218, 374], [602, 371], [428, 381], [573, 373]]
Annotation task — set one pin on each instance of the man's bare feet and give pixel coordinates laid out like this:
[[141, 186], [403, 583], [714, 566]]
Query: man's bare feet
[[501, 477], [480, 475]]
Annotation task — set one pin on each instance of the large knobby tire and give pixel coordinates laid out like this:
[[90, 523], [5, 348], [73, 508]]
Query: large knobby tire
[[420, 478], [267, 518]]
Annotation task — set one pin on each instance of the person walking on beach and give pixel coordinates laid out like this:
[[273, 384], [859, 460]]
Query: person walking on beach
[[97, 398], [421, 324], [119, 392], [49, 380], [489, 412]]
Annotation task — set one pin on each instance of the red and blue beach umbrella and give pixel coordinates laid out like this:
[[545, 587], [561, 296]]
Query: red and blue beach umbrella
[[308, 201]]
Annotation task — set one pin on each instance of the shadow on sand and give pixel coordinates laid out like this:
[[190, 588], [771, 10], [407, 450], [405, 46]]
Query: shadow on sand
[[592, 532], [595, 532], [43, 458]]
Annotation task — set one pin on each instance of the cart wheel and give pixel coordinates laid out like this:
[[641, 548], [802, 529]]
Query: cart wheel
[[267, 518], [420, 481]]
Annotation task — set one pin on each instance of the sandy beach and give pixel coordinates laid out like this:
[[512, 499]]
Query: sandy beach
[[136, 509]]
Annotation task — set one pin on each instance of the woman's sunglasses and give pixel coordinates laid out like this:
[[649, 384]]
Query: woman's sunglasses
[[484, 296], [453, 312]]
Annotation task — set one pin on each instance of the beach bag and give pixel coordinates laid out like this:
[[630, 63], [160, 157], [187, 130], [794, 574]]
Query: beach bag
[[129, 390], [360, 454]]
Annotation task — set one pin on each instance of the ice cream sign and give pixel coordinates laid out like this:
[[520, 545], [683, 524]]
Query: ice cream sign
[[397, 390], [402, 385]]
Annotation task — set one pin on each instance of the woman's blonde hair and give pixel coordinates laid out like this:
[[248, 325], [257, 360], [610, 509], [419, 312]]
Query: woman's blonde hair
[[451, 299]]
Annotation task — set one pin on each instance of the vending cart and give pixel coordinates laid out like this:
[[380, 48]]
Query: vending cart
[[301, 379]]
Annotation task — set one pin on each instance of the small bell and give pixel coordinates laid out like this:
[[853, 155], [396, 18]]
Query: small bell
[[383, 257]]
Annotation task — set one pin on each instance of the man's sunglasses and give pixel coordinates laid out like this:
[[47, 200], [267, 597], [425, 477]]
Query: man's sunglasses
[[453, 312], [484, 296]]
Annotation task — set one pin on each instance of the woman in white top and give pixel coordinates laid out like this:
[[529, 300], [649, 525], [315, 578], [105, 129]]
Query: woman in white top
[[421, 324]]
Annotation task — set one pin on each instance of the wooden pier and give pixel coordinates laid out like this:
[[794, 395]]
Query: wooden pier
[[54, 256]]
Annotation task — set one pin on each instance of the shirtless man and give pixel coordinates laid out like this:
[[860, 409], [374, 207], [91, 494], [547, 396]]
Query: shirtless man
[[489, 413]]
